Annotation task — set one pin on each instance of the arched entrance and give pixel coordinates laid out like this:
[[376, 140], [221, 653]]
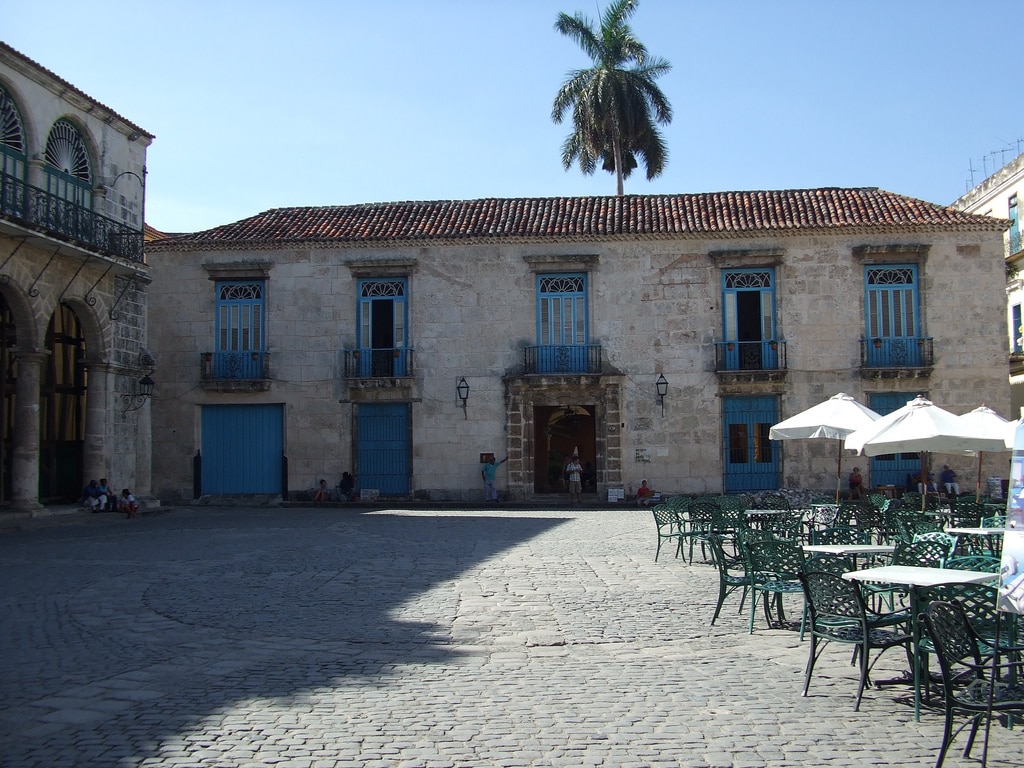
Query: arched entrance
[[560, 430], [62, 409], [8, 385]]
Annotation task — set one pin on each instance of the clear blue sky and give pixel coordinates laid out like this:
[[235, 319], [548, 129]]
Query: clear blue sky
[[260, 104]]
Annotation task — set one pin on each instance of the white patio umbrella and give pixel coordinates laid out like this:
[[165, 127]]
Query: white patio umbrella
[[985, 423], [832, 419], [920, 426]]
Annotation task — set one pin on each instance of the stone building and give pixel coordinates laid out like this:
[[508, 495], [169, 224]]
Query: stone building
[[73, 291], [998, 196], [659, 335]]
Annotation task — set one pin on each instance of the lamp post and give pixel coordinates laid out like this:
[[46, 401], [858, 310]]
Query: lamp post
[[661, 385], [462, 389]]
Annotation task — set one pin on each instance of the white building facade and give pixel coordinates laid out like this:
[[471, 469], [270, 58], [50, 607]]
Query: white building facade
[[659, 336], [73, 291], [1000, 195]]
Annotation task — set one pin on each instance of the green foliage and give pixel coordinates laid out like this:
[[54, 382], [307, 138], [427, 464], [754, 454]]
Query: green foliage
[[615, 104]]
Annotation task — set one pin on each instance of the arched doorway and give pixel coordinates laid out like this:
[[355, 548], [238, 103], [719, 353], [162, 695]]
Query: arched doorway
[[62, 409], [560, 430], [8, 385]]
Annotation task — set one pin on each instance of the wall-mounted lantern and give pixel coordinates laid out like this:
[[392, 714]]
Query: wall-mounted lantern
[[661, 385], [462, 389]]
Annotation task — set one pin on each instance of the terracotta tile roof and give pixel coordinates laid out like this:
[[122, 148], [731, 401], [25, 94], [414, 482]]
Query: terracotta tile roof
[[714, 214]]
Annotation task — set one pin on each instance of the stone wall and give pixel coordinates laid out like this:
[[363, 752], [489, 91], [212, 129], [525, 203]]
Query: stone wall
[[654, 306]]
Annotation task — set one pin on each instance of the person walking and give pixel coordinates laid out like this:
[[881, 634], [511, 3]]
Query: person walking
[[488, 473]]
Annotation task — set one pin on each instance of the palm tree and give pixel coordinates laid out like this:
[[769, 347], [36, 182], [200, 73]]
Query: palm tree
[[615, 103]]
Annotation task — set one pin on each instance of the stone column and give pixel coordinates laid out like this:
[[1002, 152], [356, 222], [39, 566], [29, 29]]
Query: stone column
[[95, 463], [25, 448]]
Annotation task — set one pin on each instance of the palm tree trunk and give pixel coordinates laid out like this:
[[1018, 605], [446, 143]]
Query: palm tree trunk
[[617, 151]]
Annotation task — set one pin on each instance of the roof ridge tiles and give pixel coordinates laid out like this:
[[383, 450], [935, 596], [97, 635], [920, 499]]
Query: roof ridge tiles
[[594, 216]]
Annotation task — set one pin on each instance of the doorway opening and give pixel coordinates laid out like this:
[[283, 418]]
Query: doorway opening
[[561, 430], [62, 409]]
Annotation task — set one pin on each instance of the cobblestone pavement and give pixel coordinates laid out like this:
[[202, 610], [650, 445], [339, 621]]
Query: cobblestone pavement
[[323, 638]]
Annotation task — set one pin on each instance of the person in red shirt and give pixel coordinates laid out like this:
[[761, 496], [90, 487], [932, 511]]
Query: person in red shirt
[[644, 494]]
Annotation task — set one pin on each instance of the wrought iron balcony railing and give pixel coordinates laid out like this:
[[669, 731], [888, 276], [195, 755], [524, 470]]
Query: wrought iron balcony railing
[[767, 355], [563, 359], [381, 363], [234, 366], [38, 209], [898, 352]]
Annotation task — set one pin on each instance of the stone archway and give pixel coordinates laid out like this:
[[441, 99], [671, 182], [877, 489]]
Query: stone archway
[[62, 408], [8, 399], [534, 404]]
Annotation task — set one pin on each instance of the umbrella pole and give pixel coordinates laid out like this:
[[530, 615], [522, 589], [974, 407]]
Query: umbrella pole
[[924, 481], [977, 492], [839, 469]]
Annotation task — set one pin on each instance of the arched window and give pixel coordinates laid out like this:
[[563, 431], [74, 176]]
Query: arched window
[[12, 155], [68, 171]]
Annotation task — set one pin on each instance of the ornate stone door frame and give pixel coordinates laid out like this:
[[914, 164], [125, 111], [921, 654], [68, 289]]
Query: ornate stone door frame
[[523, 394]]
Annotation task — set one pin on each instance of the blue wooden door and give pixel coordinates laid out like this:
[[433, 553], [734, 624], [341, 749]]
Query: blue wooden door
[[748, 320], [751, 459], [382, 455], [892, 468], [242, 448], [891, 304], [562, 323]]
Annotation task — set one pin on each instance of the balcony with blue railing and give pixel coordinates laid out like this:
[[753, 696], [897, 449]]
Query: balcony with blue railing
[[37, 209], [750, 360], [233, 371], [379, 363], [1013, 243], [896, 357], [563, 359]]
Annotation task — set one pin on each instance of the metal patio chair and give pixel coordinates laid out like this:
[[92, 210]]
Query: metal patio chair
[[669, 527], [971, 685], [838, 614]]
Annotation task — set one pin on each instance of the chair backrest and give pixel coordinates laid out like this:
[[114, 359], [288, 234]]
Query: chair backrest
[[726, 502], [996, 521], [773, 501], [911, 499], [835, 564], [830, 596], [928, 554], [948, 539], [700, 513], [732, 564], [787, 525], [988, 563], [840, 534], [869, 519], [921, 527], [678, 503], [784, 559], [967, 514], [877, 501], [728, 520], [978, 602], [825, 513], [747, 536], [665, 516], [955, 642]]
